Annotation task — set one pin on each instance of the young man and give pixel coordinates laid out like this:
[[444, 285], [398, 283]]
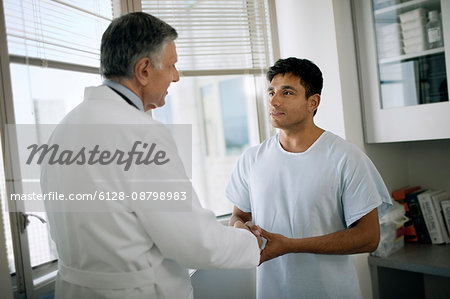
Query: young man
[[314, 195], [127, 249]]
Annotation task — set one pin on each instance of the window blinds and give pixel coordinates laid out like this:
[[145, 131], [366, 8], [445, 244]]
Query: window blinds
[[67, 31], [218, 35], [215, 36]]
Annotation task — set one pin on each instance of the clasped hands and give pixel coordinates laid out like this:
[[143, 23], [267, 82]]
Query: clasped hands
[[276, 244]]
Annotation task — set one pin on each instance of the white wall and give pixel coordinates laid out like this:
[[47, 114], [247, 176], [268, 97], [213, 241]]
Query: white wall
[[429, 164], [306, 30]]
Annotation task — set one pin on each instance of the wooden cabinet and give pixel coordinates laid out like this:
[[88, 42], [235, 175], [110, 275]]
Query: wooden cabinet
[[404, 82]]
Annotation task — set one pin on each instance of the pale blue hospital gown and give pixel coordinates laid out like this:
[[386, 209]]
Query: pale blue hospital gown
[[320, 191]]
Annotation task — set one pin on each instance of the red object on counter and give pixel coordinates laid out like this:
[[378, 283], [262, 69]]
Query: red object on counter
[[400, 196]]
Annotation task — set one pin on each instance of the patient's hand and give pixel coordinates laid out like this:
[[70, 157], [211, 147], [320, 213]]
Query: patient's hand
[[276, 246]]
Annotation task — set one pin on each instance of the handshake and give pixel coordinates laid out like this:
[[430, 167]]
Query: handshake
[[275, 246]]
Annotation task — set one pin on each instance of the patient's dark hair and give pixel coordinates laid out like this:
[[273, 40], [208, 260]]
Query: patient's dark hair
[[309, 74]]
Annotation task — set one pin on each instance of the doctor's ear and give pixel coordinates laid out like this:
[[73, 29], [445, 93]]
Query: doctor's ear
[[142, 70]]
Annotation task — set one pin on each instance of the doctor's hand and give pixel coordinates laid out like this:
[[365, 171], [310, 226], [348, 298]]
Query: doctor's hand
[[254, 229], [276, 246]]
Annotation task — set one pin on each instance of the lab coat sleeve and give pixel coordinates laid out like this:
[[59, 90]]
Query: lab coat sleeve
[[194, 238]]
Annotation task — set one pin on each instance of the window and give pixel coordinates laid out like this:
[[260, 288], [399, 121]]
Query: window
[[53, 48], [224, 49], [49, 31], [223, 114], [218, 34]]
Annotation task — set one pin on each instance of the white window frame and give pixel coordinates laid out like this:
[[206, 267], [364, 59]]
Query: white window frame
[[23, 283]]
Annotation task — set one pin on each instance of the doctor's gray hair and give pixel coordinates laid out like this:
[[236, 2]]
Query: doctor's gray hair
[[130, 38]]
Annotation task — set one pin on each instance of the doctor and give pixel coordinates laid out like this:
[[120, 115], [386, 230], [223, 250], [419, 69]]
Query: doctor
[[129, 251]]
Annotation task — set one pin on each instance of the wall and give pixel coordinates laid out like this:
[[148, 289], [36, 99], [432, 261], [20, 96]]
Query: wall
[[306, 30], [429, 164]]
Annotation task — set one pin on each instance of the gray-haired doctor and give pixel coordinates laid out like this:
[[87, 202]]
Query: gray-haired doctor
[[131, 252]]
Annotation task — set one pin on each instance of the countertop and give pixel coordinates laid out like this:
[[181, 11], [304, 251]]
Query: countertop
[[423, 258]]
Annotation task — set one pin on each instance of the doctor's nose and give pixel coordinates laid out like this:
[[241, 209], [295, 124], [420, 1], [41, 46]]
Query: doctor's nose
[[176, 76]]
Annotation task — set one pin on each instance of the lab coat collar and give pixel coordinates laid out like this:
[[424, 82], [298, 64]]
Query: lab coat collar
[[125, 91]]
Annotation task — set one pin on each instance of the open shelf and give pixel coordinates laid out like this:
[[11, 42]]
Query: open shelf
[[405, 6], [411, 55]]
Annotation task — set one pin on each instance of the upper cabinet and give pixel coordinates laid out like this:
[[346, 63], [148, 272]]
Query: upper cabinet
[[403, 64]]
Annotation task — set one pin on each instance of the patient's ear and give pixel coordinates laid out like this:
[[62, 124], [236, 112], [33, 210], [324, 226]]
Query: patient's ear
[[314, 102]]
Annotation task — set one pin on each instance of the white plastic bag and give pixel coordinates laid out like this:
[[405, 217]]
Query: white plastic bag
[[391, 231]]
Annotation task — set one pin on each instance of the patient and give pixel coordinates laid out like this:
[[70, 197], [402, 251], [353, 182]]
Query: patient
[[313, 196]]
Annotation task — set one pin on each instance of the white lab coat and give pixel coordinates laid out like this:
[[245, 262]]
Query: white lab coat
[[132, 252]]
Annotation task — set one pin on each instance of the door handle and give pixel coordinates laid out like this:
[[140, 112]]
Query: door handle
[[25, 221]]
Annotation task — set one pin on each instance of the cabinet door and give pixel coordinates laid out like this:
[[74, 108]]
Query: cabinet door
[[403, 64]]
